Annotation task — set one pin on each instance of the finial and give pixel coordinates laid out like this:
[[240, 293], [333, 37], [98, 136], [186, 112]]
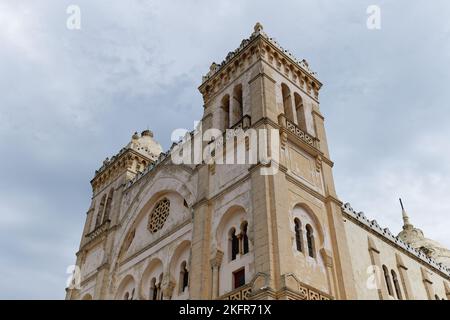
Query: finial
[[135, 136], [258, 27], [147, 133], [404, 215]]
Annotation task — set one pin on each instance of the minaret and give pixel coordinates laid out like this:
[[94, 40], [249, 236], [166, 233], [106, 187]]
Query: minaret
[[406, 223]]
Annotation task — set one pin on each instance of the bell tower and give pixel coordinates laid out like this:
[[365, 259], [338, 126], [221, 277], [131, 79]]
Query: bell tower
[[298, 237]]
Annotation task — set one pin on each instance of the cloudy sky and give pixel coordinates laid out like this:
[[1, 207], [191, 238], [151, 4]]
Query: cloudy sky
[[69, 98]]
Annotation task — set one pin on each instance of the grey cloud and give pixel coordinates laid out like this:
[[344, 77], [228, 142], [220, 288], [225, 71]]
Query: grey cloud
[[71, 98]]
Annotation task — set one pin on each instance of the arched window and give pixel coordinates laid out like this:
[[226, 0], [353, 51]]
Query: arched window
[[298, 235], [387, 279], [287, 102], [226, 111], [153, 290], [237, 107], [126, 296], [396, 285], [436, 297], [244, 237], [160, 293], [234, 244], [310, 241], [101, 208], [184, 277], [301, 121], [108, 206]]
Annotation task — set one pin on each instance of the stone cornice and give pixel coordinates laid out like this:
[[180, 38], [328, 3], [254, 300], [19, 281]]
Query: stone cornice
[[385, 234], [259, 47], [118, 164]]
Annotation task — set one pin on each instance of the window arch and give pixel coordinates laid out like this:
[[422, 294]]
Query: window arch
[[101, 208], [300, 111], [387, 279], [126, 296], [310, 241], [226, 111], [108, 206], [436, 297], [287, 102], [184, 277], [298, 235], [160, 293], [244, 237], [398, 292], [234, 244], [153, 290], [237, 107]]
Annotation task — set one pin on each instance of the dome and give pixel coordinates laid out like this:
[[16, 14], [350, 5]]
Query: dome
[[416, 239], [145, 145]]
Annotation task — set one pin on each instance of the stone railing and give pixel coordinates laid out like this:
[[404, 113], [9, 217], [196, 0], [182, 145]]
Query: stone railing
[[309, 293], [241, 293], [243, 123], [98, 230], [292, 127]]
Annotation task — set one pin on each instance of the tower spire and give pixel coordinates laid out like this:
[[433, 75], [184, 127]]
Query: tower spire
[[404, 215]]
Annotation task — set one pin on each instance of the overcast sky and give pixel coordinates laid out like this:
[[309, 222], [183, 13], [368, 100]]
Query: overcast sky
[[70, 98]]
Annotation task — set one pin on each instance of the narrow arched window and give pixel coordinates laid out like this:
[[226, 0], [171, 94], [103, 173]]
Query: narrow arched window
[[236, 106], [298, 235], [436, 297], [310, 241], [126, 296], [160, 293], [287, 102], [153, 290], [234, 244], [226, 111], [244, 237], [184, 277], [398, 292], [108, 206], [387, 279], [300, 111], [100, 211]]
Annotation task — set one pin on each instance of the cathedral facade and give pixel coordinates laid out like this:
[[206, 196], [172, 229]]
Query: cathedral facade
[[270, 227]]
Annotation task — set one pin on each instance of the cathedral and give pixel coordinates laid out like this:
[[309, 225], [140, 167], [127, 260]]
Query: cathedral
[[212, 219]]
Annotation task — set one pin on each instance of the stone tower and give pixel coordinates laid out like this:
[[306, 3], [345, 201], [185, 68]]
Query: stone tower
[[215, 230], [262, 86]]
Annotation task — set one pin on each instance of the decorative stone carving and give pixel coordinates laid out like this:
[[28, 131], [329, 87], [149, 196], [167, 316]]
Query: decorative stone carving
[[159, 215]]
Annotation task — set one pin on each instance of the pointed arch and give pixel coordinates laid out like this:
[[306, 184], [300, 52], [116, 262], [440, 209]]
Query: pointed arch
[[244, 237], [300, 111], [108, 205], [179, 268], [237, 108], [126, 288], [150, 281], [310, 241], [298, 234], [225, 106], [100, 211], [287, 102], [387, 280], [398, 292], [314, 222]]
